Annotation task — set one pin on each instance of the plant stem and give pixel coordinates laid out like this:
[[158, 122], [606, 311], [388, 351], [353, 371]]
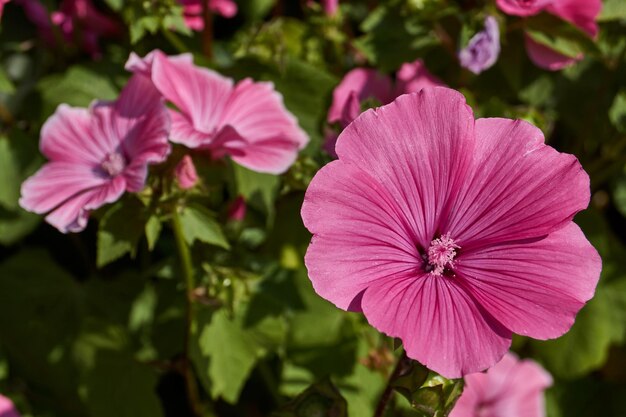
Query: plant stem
[[207, 33], [387, 393], [187, 269], [175, 41]]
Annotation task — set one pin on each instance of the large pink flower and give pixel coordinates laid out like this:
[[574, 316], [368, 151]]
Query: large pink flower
[[247, 120], [192, 11], [7, 408], [580, 13], [450, 233], [97, 154], [511, 388]]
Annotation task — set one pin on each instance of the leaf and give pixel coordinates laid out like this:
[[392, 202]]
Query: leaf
[[14, 225], [617, 112], [198, 223], [559, 35], [320, 399], [122, 387], [612, 10], [258, 190], [119, 230], [153, 231], [78, 86], [19, 157], [6, 85]]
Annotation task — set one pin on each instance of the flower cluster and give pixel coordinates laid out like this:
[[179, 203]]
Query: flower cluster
[[97, 154]]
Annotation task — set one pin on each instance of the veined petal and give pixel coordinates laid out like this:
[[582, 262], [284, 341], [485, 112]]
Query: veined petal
[[360, 235], [440, 324], [199, 93], [518, 187], [534, 288], [185, 133], [418, 148]]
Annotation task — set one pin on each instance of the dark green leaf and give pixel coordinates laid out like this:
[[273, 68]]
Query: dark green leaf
[[120, 230], [198, 223]]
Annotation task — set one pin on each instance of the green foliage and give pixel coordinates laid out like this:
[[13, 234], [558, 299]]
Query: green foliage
[[199, 224]]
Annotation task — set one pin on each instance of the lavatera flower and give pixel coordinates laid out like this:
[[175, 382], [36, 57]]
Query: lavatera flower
[[97, 154], [450, 233], [247, 120]]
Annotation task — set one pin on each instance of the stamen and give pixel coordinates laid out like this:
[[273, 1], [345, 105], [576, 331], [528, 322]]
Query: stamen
[[114, 164], [441, 254]]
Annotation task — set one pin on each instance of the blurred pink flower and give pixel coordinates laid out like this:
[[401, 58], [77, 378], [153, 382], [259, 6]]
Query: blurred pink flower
[[247, 121], [97, 154], [450, 233], [237, 210], [511, 388], [330, 6], [186, 174], [192, 11], [77, 21], [580, 13], [7, 408], [2, 3], [362, 84]]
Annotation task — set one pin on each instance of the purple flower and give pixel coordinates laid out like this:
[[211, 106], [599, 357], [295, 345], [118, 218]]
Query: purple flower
[[483, 49]]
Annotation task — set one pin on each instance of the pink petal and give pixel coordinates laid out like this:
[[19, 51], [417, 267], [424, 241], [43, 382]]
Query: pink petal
[[186, 174], [518, 187], [360, 235], [257, 113], [143, 65], [366, 83], [523, 8], [7, 408], [413, 76], [199, 93], [581, 13], [547, 58], [72, 215], [440, 325], [225, 8], [418, 148], [57, 182], [330, 6], [534, 288], [68, 136], [184, 132]]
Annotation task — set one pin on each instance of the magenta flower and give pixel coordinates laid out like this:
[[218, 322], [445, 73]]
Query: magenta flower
[[511, 388], [330, 6], [483, 49], [247, 121], [413, 76], [192, 11], [185, 173], [78, 22], [96, 154], [237, 210], [450, 233], [7, 408], [580, 13]]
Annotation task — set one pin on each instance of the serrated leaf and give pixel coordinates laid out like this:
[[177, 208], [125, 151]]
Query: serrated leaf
[[119, 231], [198, 223]]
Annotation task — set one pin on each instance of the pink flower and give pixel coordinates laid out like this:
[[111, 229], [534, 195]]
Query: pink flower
[[580, 13], [362, 84], [186, 174], [511, 388], [237, 210], [330, 6], [247, 121], [78, 21], [96, 154], [450, 233], [7, 408], [192, 11], [2, 3]]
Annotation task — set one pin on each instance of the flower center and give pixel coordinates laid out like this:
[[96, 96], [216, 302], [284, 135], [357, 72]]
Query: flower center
[[113, 164], [441, 254]]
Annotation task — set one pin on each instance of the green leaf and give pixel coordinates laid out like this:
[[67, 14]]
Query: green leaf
[[259, 190], [227, 351], [119, 230], [612, 10], [199, 224], [153, 231], [559, 35], [320, 399], [120, 386], [617, 112], [78, 86], [6, 85]]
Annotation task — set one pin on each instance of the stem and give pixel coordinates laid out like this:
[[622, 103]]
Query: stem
[[188, 274], [207, 33], [175, 41], [386, 395]]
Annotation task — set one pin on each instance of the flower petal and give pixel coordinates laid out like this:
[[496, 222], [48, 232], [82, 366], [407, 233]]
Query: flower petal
[[413, 76], [366, 83], [440, 325], [69, 135], [72, 215], [57, 182], [185, 133], [359, 234], [522, 8], [547, 58], [518, 187], [199, 93], [418, 148], [581, 13], [534, 288]]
